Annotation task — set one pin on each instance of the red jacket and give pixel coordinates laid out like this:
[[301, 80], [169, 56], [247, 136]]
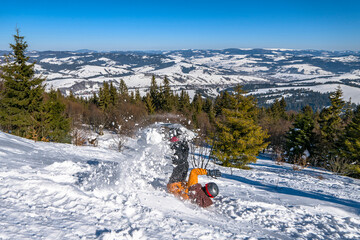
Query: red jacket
[[191, 189]]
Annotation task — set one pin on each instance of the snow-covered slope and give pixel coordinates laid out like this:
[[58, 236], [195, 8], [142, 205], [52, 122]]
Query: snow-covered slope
[[58, 191]]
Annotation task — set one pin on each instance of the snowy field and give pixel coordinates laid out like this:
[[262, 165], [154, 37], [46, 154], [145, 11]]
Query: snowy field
[[59, 191]]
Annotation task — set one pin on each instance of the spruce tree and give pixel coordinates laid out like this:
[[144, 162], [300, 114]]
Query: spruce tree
[[94, 99], [223, 101], [300, 137], [113, 94], [352, 138], [22, 95], [184, 101], [56, 125], [123, 91], [154, 94], [197, 103], [167, 96], [137, 96], [238, 138], [331, 134], [149, 104], [104, 96], [208, 107], [330, 121], [278, 109]]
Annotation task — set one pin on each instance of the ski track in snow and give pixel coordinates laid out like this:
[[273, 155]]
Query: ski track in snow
[[60, 191]]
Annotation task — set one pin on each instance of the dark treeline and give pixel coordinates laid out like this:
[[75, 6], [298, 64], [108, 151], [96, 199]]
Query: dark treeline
[[297, 99], [329, 138], [232, 123]]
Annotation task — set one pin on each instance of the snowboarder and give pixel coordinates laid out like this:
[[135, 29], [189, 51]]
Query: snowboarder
[[180, 157], [190, 189]]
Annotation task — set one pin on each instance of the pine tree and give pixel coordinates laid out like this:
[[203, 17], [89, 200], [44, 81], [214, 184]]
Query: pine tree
[[238, 139], [300, 137], [22, 96]]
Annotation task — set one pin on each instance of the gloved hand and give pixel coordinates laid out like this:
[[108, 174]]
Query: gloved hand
[[213, 173]]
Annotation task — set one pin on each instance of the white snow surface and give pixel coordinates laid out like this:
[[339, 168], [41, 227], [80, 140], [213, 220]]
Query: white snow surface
[[60, 191], [306, 69]]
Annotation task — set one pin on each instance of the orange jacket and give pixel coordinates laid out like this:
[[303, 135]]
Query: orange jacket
[[181, 189]]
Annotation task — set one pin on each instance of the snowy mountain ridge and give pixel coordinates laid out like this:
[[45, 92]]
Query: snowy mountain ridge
[[60, 191], [209, 71]]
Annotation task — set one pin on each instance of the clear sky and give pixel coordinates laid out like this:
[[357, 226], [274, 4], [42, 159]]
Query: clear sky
[[166, 25]]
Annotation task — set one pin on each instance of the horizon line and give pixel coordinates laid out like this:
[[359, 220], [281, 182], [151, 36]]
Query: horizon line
[[187, 49]]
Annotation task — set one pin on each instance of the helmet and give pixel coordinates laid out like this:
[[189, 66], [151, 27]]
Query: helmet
[[176, 132], [211, 189]]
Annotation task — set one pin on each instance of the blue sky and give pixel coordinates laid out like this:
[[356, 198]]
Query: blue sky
[[165, 25]]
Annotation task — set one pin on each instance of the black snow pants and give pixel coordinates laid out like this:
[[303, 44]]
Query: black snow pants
[[180, 160]]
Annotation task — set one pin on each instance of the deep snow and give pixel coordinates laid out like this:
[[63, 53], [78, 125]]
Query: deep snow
[[60, 191]]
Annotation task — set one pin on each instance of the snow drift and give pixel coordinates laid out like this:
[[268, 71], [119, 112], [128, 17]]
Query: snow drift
[[59, 191]]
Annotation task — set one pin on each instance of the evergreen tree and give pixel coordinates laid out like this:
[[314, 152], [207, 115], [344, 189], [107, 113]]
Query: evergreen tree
[[1, 85], [104, 96], [137, 96], [331, 123], [132, 97], [56, 126], [154, 94], [149, 104], [352, 138], [208, 107], [238, 139], [123, 90], [184, 101], [113, 94], [278, 109], [331, 133], [348, 112], [22, 97], [71, 96], [95, 99], [166, 96], [223, 101], [300, 137], [197, 103]]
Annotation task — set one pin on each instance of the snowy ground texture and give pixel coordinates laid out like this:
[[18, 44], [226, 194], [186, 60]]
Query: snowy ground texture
[[59, 191]]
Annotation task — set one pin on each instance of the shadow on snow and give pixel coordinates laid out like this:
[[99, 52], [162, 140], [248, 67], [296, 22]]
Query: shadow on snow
[[290, 191]]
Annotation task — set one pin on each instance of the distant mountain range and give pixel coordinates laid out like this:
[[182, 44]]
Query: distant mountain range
[[207, 71]]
